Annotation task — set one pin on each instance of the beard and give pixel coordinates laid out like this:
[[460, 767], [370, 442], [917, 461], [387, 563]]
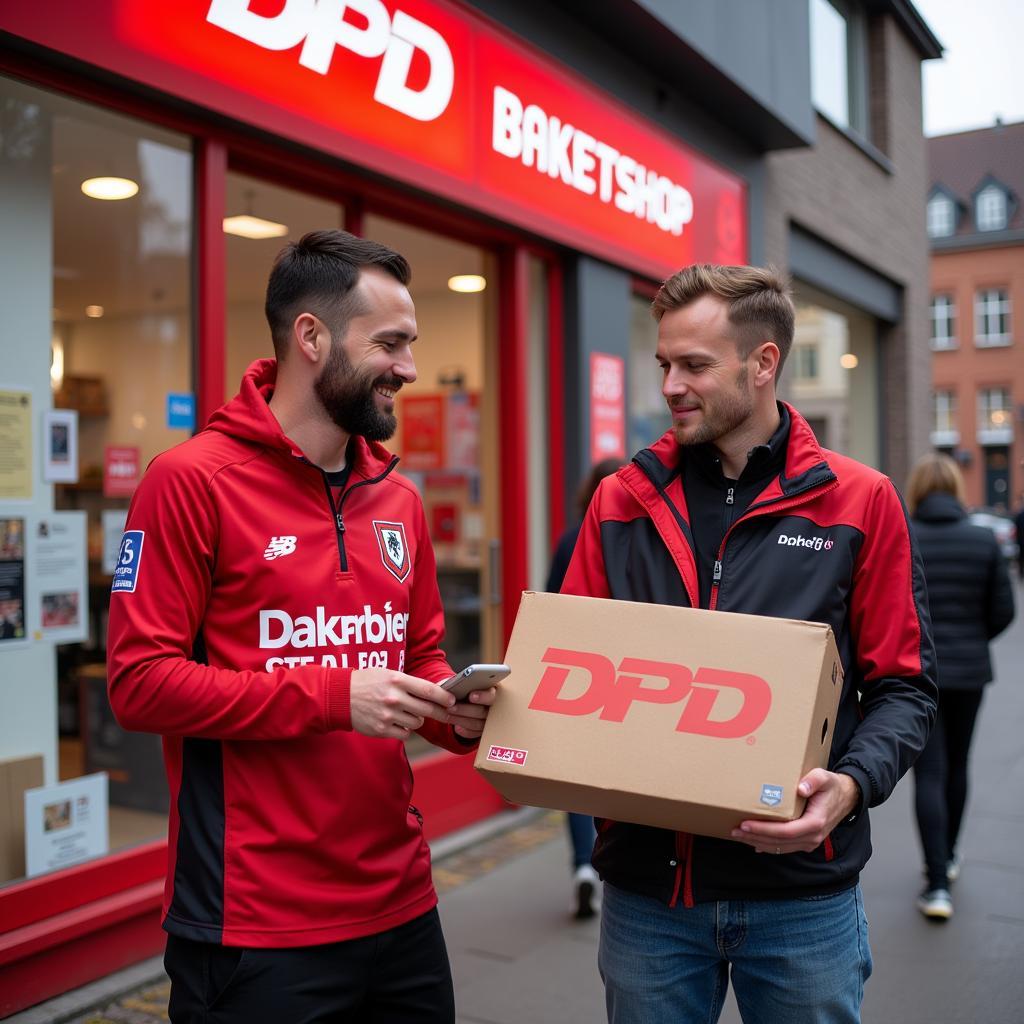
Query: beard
[[348, 398], [725, 414]]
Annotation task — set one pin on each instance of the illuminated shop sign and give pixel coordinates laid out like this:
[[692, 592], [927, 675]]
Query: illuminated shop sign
[[431, 94]]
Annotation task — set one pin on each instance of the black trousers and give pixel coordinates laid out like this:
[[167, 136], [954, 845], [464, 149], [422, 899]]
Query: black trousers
[[940, 780], [400, 976]]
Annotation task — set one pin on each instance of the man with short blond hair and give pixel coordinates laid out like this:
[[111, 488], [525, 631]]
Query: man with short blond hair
[[704, 518]]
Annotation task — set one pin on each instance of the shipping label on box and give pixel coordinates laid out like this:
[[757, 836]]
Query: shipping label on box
[[676, 717]]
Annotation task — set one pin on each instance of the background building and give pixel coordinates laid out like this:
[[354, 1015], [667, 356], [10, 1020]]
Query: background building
[[976, 232], [564, 158]]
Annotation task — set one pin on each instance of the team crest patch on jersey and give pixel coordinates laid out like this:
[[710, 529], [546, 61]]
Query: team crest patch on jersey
[[394, 549], [129, 562]]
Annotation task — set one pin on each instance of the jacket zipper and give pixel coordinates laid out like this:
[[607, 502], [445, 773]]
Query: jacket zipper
[[339, 522], [754, 513]]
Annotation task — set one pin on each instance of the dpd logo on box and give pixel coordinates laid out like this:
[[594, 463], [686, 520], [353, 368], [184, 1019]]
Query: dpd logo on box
[[612, 692]]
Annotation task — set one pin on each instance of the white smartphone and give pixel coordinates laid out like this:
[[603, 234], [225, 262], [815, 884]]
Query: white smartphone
[[474, 677]]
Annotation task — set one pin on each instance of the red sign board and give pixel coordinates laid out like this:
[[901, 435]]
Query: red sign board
[[430, 93], [422, 419], [122, 470], [607, 407]]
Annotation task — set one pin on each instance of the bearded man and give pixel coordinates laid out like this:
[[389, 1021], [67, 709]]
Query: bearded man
[[738, 508], [266, 563]]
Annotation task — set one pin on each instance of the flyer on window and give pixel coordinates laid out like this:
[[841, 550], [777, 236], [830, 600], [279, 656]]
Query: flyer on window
[[12, 580], [58, 562], [15, 445], [66, 824], [60, 446]]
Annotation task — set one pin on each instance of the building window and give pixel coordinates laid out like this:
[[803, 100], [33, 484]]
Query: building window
[[991, 317], [805, 362], [839, 63], [990, 209], [941, 221], [995, 416], [943, 314], [944, 430]]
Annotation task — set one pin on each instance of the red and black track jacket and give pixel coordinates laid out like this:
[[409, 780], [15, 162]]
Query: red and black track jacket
[[826, 541], [245, 594]]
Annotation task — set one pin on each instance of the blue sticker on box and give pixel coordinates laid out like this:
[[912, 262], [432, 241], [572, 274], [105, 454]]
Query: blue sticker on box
[[181, 411], [771, 795], [129, 560]]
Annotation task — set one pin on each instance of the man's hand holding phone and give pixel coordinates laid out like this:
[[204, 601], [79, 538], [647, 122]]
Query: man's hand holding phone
[[475, 689]]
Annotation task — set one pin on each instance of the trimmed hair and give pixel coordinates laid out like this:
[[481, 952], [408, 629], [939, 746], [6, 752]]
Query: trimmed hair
[[934, 473], [759, 301], [318, 274]]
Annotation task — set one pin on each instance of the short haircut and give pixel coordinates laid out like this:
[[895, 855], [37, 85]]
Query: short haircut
[[318, 274], [934, 473], [760, 305]]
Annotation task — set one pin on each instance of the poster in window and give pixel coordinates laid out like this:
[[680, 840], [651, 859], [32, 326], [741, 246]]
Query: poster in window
[[464, 431], [66, 824], [607, 407], [12, 580], [60, 446], [423, 422], [58, 561], [15, 445]]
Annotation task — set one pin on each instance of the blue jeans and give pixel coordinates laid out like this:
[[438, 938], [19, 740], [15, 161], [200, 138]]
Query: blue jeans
[[582, 835], [798, 961]]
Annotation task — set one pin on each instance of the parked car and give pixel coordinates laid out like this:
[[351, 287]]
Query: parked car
[[1001, 525]]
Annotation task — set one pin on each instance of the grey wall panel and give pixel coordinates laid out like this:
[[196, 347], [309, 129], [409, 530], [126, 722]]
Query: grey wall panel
[[830, 269], [597, 320]]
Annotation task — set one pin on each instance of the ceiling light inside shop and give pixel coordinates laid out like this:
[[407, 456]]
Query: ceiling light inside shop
[[94, 311], [848, 361], [247, 226], [467, 283], [110, 188]]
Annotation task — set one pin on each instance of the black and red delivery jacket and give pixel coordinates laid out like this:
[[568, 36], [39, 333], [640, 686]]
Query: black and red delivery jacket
[[827, 540], [247, 590]]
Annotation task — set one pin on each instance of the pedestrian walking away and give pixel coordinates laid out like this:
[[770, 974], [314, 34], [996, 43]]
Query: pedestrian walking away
[[586, 893], [738, 508], [971, 601], [275, 615]]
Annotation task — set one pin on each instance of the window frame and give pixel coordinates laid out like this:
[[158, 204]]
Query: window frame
[[992, 303], [983, 209], [948, 220], [948, 340]]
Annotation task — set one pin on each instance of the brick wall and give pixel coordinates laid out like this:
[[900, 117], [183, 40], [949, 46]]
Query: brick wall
[[838, 192]]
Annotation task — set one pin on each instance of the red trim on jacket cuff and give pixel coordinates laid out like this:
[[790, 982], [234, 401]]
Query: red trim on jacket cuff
[[338, 702]]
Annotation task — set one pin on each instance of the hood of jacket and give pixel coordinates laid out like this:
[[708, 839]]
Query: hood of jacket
[[248, 417], [939, 507]]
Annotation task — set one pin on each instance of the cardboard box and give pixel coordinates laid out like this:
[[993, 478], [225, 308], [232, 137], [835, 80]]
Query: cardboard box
[[16, 775], [677, 717]]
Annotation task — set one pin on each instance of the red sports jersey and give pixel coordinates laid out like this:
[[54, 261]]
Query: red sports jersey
[[246, 592]]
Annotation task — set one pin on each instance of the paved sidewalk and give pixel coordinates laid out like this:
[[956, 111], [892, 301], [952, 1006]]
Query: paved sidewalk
[[517, 956]]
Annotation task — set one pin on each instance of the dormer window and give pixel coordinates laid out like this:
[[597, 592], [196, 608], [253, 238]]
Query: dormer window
[[941, 220], [990, 209]]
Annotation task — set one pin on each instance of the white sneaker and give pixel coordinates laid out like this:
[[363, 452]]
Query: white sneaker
[[953, 866], [586, 888], [936, 904]]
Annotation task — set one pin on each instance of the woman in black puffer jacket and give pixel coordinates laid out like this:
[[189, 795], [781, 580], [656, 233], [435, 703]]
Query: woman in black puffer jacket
[[971, 600]]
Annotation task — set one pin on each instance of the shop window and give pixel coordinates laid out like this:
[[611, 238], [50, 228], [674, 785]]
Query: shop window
[[831, 373], [839, 63], [995, 416], [990, 209], [941, 216], [260, 218], [944, 432], [647, 413], [943, 318], [991, 317], [109, 200], [447, 423]]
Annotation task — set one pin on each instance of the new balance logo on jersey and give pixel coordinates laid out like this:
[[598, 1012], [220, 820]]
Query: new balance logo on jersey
[[818, 543], [278, 547]]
